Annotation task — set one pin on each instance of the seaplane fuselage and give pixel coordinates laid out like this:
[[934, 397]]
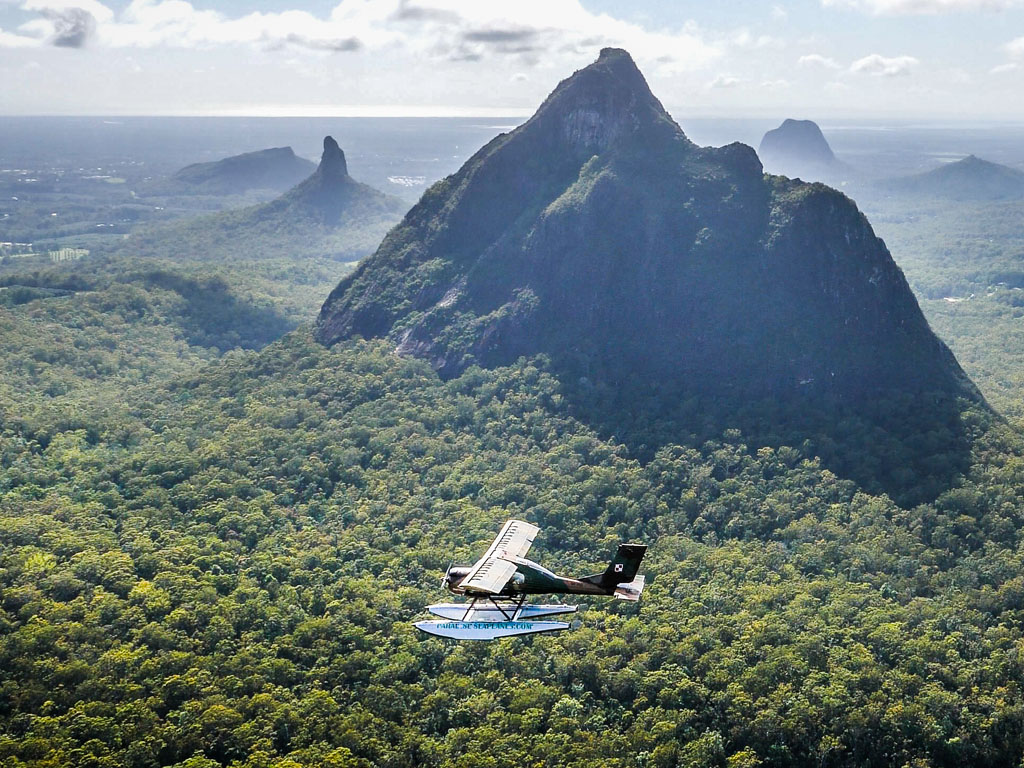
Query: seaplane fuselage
[[535, 581], [531, 578]]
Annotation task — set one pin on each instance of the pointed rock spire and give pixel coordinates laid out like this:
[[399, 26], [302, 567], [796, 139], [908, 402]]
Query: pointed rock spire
[[332, 161], [328, 190]]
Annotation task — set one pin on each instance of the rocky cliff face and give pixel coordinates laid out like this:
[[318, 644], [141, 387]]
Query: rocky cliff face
[[597, 233]]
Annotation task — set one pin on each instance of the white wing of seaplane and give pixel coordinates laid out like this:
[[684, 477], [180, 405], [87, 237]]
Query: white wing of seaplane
[[500, 581], [493, 571]]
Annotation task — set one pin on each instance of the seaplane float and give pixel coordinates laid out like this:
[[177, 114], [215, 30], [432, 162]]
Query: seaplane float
[[500, 582]]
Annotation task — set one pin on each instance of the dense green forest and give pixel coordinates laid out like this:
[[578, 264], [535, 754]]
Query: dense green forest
[[215, 533], [229, 572], [965, 263], [249, 234]]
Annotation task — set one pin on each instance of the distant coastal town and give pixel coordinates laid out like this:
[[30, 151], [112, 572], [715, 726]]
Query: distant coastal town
[[25, 250]]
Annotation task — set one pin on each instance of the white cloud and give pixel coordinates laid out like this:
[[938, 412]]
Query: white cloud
[[743, 38], [884, 66], [779, 13], [62, 23], [457, 30], [177, 24], [1015, 48], [902, 7], [817, 60], [94, 8], [11, 40], [724, 81]]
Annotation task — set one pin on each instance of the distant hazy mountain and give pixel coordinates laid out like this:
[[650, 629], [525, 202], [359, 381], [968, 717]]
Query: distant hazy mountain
[[797, 148], [599, 234], [329, 214], [278, 169], [969, 179]]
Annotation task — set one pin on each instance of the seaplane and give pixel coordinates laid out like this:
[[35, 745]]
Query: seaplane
[[500, 582]]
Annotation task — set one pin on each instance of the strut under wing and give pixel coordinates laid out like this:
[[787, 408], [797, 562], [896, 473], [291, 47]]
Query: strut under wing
[[491, 573]]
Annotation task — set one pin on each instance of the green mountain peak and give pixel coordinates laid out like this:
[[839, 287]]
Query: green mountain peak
[[598, 234]]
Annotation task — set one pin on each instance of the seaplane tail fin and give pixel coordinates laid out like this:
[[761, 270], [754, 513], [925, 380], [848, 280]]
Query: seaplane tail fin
[[622, 569], [630, 591]]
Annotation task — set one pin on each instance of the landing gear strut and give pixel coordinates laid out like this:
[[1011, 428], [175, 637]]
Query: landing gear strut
[[514, 609]]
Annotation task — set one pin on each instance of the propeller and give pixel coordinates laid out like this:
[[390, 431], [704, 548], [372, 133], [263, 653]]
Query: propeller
[[445, 579]]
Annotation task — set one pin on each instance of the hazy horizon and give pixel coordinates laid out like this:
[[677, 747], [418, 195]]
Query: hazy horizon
[[827, 59]]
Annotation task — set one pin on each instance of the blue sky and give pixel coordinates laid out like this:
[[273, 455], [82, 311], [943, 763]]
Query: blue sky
[[869, 59]]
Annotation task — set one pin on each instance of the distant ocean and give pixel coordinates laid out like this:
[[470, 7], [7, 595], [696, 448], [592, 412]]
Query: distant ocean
[[404, 155]]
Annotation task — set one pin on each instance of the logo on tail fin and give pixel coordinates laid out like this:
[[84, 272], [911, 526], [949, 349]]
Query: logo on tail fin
[[622, 569]]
